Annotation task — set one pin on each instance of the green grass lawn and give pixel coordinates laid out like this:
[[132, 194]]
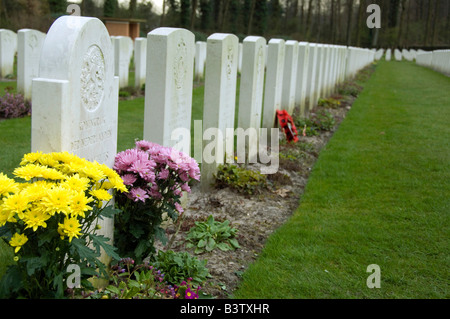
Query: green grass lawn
[[378, 194]]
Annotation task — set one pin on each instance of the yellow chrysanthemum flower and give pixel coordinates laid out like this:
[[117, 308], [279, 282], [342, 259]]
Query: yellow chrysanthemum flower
[[16, 204], [75, 182], [36, 218], [7, 185], [101, 194], [30, 158], [92, 172], [80, 204], [51, 173], [70, 228], [47, 160], [18, 240], [6, 216], [118, 184], [28, 171], [58, 200], [35, 191]]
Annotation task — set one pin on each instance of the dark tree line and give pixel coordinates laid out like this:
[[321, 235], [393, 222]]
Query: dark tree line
[[404, 23]]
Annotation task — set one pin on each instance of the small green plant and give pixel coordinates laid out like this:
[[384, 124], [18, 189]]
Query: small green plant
[[179, 266], [211, 234], [320, 121], [131, 281], [240, 179], [323, 120], [329, 103], [350, 88]]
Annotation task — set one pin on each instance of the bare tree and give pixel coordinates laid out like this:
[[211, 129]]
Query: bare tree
[[349, 23], [193, 13], [308, 19]]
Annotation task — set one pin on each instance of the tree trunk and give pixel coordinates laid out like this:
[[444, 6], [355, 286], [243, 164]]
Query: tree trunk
[[349, 23], [332, 31], [250, 20], [319, 20], [338, 21], [427, 24], [358, 22], [436, 11], [225, 14], [308, 19], [132, 8], [408, 13], [400, 29], [163, 15], [193, 14]]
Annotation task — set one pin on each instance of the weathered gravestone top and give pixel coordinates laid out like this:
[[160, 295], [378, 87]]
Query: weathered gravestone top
[[29, 43], [8, 48]]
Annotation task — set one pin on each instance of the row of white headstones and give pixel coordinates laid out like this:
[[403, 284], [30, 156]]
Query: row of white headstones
[[438, 60], [75, 92]]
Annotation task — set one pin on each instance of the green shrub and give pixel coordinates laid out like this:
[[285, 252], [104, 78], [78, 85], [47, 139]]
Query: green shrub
[[180, 266], [206, 236], [240, 179]]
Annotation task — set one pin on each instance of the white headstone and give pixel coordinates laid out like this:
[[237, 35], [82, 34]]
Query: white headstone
[[200, 58], [219, 103], [388, 55], [397, 55], [8, 48], [290, 76], [379, 54], [251, 92], [407, 55], [123, 51], [29, 44], [302, 76], [75, 97], [325, 71], [319, 73], [140, 61], [332, 70], [274, 82], [168, 88], [311, 83]]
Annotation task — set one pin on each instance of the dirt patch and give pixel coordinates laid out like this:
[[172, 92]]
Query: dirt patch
[[256, 216]]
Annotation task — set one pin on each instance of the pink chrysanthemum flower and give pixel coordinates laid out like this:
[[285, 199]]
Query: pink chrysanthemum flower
[[129, 179], [137, 194]]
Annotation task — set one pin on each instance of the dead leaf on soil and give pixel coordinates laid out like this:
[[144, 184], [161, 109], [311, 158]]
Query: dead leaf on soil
[[283, 192]]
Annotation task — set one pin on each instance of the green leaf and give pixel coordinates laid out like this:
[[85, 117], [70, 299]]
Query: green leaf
[[109, 211], [102, 241], [84, 251], [234, 243], [201, 243], [210, 244], [33, 263], [5, 232], [223, 246], [113, 290]]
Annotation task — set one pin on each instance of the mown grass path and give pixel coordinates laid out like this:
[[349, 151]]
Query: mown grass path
[[378, 194]]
